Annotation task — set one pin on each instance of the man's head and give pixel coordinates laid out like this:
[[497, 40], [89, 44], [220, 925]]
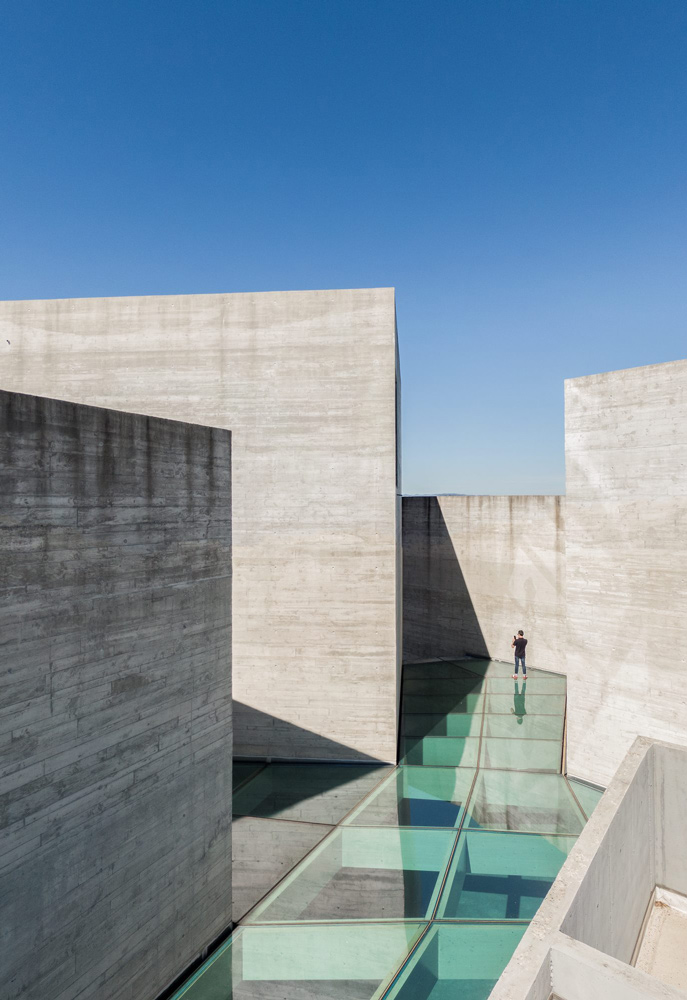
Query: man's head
[[521, 632]]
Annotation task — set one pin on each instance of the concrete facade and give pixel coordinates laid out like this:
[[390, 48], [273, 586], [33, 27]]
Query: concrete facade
[[478, 568], [307, 382], [584, 940], [626, 552], [115, 722]]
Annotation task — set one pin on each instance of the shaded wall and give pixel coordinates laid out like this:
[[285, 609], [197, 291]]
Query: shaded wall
[[306, 381], [478, 568], [115, 721], [626, 541]]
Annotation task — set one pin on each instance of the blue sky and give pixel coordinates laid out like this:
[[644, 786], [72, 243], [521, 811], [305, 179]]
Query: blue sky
[[517, 169]]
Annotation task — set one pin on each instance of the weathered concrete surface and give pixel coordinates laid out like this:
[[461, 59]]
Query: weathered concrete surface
[[115, 718], [478, 568], [307, 383], [626, 552], [664, 941]]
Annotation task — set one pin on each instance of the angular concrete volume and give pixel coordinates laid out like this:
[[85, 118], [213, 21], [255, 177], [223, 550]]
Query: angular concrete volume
[[307, 383], [115, 721]]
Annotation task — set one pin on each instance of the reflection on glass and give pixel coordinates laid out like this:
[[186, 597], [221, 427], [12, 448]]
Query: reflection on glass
[[442, 725], [502, 876], [532, 727], [308, 962], [417, 796], [242, 770], [314, 793], [516, 754], [440, 750], [537, 704], [458, 962], [428, 704], [363, 874], [538, 684], [461, 684], [515, 800], [519, 708]]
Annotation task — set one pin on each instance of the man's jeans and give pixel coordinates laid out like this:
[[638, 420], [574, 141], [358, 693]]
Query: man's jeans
[[520, 660]]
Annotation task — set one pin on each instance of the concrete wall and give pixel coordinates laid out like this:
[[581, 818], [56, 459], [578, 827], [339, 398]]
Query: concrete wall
[[626, 553], [306, 381], [115, 719], [478, 568]]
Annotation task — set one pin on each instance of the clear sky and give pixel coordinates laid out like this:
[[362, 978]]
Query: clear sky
[[517, 169]]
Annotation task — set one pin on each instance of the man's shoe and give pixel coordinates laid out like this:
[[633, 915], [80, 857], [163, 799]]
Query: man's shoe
[[515, 677]]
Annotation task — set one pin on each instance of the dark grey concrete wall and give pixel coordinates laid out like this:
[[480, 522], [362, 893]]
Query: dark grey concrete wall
[[115, 714]]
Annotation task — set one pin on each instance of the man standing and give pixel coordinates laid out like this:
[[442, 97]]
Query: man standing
[[518, 644]]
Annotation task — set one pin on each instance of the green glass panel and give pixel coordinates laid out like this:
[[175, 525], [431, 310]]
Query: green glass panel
[[438, 703], [491, 668], [587, 795], [363, 874], [458, 962], [523, 755], [524, 703], [453, 724], [308, 962], [536, 684], [417, 796], [313, 793], [242, 770], [441, 668], [440, 750], [462, 684], [529, 727], [501, 876], [514, 800]]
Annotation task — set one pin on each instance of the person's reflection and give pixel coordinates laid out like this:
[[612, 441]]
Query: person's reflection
[[518, 709]]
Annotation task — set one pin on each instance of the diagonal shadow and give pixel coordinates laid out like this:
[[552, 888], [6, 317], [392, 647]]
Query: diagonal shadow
[[439, 618]]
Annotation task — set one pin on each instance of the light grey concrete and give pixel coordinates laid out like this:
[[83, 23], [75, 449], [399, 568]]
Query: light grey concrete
[[307, 383], [626, 552], [115, 717], [476, 569], [584, 938], [663, 945]]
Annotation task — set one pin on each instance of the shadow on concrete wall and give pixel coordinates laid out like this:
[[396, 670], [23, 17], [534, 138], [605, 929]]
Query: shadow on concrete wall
[[257, 734], [439, 618]]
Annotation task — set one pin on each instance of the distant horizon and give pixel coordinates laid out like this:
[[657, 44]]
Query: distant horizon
[[514, 171]]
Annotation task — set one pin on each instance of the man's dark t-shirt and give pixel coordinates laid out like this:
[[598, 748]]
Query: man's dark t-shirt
[[520, 644]]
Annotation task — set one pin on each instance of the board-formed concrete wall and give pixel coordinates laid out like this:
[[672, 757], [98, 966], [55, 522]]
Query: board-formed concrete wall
[[476, 569], [115, 718], [626, 553], [306, 381]]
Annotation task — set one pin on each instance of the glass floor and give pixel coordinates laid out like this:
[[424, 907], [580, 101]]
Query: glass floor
[[427, 874]]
